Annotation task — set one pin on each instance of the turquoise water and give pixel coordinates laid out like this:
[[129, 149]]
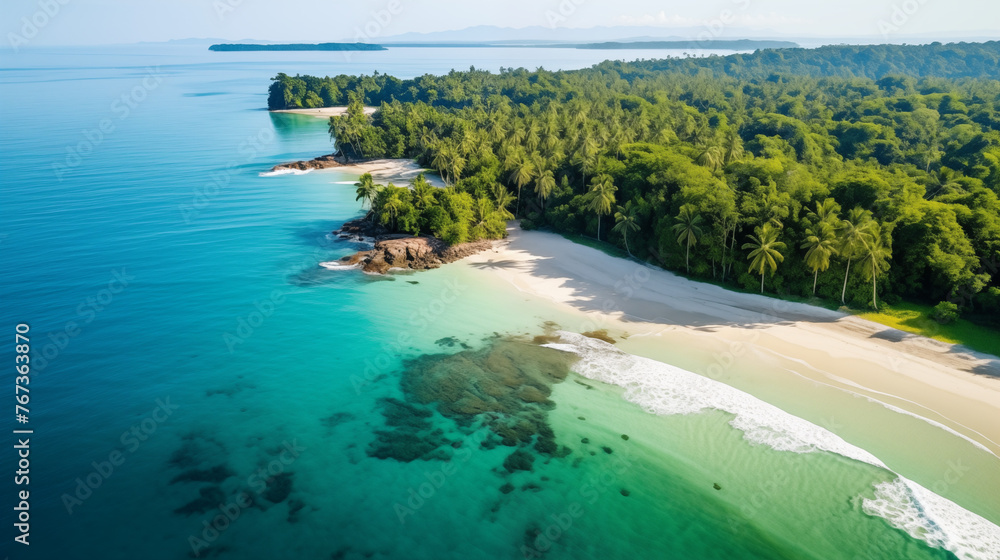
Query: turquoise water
[[189, 352]]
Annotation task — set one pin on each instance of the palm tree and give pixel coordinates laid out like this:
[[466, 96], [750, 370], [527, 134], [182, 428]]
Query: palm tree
[[466, 142], [503, 198], [943, 182], [455, 165], [495, 130], [531, 138], [688, 230], [732, 146], [854, 235], [484, 210], [625, 222], [602, 198], [585, 155], [821, 244], [765, 251], [441, 160], [516, 133], [544, 185], [523, 173], [826, 211], [423, 193], [390, 209], [711, 157], [367, 190], [875, 260]]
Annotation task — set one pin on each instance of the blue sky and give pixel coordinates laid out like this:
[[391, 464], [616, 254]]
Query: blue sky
[[71, 22]]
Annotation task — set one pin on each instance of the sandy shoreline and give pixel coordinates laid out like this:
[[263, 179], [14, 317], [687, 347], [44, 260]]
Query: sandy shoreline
[[323, 112], [396, 171], [944, 383], [399, 172]]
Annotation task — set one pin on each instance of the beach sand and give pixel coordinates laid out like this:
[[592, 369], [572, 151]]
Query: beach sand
[[323, 112], [658, 311], [396, 171]]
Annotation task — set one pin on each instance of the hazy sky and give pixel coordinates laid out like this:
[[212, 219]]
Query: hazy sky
[[125, 21]]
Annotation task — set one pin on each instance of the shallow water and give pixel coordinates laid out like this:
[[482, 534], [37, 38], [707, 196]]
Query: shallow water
[[193, 282]]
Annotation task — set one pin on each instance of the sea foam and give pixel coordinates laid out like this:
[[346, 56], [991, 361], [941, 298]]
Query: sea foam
[[284, 172], [337, 265], [665, 389]]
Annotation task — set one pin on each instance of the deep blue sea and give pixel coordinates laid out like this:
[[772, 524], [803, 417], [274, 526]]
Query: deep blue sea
[[200, 387]]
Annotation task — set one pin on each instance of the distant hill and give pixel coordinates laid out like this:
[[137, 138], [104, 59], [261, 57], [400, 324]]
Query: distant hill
[[299, 47], [539, 34], [739, 45]]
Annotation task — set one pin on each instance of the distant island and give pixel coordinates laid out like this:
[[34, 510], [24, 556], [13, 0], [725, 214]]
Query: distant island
[[299, 47], [734, 45], [737, 45]]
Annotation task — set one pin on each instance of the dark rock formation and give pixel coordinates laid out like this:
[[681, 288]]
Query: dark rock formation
[[214, 475], [322, 162], [601, 334], [361, 228], [209, 498], [412, 435], [414, 253], [400, 250], [278, 488], [294, 507], [519, 460], [336, 419]]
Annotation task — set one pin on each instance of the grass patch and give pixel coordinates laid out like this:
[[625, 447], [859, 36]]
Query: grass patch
[[916, 318]]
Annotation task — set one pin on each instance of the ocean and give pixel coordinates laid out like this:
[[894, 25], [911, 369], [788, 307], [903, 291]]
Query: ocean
[[200, 387]]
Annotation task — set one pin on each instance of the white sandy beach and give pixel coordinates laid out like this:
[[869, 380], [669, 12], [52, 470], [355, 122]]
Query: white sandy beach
[[944, 383], [323, 112], [396, 171]]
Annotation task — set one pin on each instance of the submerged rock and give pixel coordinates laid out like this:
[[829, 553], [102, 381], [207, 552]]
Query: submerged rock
[[507, 488], [336, 419], [278, 488], [208, 498], [294, 507], [411, 436], [519, 460], [601, 334], [499, 392], [215, 475], [546, 339]]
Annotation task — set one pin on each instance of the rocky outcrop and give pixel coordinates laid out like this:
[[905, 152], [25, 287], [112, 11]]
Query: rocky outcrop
[[322, 162], [361, 230], [399, 250], [414, 253]]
